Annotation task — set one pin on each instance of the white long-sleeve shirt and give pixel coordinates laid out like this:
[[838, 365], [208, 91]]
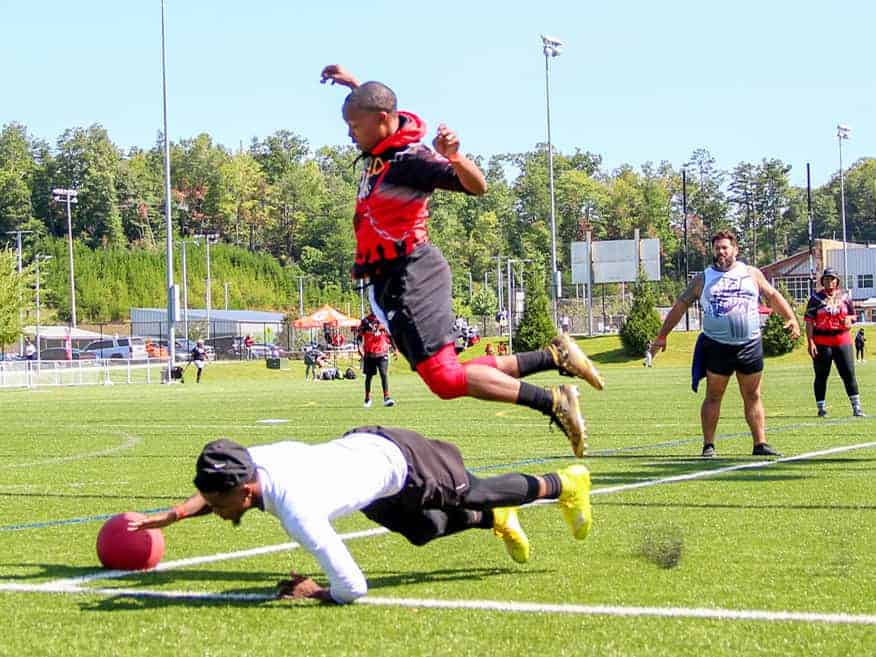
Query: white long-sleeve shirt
[[307, 486]]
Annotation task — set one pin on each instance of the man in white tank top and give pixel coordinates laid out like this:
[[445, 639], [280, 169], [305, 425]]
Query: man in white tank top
[[728, 293]]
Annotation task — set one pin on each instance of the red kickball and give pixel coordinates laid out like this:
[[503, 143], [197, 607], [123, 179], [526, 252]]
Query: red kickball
[[120, 549]]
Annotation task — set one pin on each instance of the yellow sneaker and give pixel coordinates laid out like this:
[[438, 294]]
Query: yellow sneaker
[[567, 414], [506, 526], [571, 361], [574, 499]]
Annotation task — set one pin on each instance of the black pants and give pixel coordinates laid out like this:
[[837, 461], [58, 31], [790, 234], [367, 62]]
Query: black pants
[[377, 365], [421, 525], [845, 365], [859, 351]]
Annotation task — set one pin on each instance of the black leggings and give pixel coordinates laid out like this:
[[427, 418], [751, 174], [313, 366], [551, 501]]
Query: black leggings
[[381, 370], [845, 365], [420, 526]]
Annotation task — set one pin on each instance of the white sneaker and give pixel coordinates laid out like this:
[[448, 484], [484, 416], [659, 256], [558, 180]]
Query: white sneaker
[[367, 403], [388, 402]]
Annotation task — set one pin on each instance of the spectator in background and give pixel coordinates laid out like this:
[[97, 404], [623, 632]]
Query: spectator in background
[[565, 324], [199, 358], [29, 350], [247, 346], [830, 314], [489, 350], [860, 340], [649, 357], [313, 361], [374, 342]]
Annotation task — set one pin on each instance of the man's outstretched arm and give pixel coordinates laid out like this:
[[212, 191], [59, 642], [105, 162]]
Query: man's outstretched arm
[[196, 505], [684, 301]]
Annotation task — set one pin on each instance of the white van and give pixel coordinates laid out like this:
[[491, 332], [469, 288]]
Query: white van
[[130, 348]]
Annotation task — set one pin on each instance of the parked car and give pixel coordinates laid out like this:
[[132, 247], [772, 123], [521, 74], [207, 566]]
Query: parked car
[[263, 350], [133, 348], [184, 348], [60, 353]]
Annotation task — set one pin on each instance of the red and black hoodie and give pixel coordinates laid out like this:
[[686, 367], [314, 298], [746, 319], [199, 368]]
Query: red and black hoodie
[[392, 205], [827, 314]]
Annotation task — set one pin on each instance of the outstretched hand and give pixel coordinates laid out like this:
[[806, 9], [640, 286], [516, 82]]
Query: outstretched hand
[[793, 328], [299, 587], [337, 74], [658, 344], [157, 521]]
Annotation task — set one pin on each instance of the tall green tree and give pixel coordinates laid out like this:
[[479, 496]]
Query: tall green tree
[[536, 328]]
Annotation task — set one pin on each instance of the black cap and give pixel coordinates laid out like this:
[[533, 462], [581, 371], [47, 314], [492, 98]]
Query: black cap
[[222, 466], [829, 272]]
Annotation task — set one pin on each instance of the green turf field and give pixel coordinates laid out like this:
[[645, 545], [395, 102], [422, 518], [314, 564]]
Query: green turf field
[[793, 536]]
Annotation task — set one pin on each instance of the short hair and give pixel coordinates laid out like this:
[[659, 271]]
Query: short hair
[[371, 97], [725, 235]]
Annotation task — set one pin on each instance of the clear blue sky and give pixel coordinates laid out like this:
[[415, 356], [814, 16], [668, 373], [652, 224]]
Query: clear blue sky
[[638, 81]]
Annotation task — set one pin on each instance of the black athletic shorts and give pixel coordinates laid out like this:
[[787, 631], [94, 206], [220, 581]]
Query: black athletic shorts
[[437, 478], [414, 294], [371, 365], [724, 359]]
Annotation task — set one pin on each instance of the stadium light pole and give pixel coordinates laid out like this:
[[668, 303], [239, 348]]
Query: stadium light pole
[[552, 48], [842, 132], [69, 196], [208, 237], [36, 259], [172, 303], [18, 234], [185, 289]]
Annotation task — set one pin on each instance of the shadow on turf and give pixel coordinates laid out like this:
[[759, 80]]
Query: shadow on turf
[[129, 602]]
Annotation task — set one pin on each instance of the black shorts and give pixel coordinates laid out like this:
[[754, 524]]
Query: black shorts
[[724, 359], [371, 365], [437, 478], [414, 294]]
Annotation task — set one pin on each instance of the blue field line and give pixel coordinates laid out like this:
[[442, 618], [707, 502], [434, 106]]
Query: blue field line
[[482, 468], [69, 521]]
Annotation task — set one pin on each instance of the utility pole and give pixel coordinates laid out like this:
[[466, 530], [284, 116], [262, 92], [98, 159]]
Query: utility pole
[[208, 237], [69, 196], [18, 234]]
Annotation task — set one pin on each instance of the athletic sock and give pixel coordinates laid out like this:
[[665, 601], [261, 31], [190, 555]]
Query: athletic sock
[[530, 362], [554, 485], [822, 405], [535, 397]]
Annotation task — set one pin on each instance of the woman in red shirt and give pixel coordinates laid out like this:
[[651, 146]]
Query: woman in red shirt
[[829, 315]]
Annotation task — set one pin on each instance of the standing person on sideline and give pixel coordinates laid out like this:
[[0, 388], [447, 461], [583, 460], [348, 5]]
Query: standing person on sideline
[[649, 357], [373, 342], [860, 341], [411, 485], [199, 358], [247, 346], [29, 350], [830, 314], [728, 292], [409, 279]]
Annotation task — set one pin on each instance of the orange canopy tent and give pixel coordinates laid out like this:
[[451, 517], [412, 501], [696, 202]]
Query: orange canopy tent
[[323, 316]]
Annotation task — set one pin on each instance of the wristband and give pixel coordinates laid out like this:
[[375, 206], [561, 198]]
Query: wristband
[[180, 512]]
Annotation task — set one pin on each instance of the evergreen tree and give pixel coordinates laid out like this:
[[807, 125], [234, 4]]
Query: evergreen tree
[[643, 322], [14, 296], [776, 339], [536, 327]]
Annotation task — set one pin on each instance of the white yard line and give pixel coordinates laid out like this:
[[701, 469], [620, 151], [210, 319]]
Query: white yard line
[[478, 605], [129, 442]]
